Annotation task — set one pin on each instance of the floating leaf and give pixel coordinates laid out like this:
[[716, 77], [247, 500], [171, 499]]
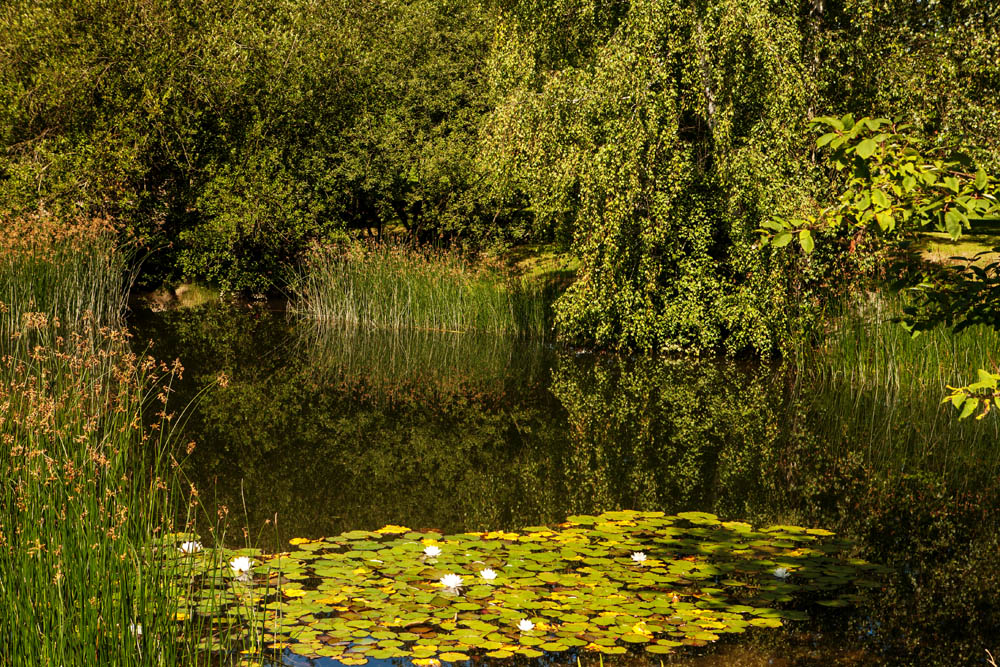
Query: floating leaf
[[376, 595]]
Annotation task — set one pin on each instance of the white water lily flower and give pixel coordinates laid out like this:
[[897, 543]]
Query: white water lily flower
[[524, 625], [781, 572], [190, 547], [451, 581], [638, 556], [432, 551], [240, 565], [488, 574]]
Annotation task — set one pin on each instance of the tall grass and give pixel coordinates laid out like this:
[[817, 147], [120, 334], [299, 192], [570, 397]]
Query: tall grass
[[874, 386], [388, 286], [82, 496], [68, 270], [85, 483]]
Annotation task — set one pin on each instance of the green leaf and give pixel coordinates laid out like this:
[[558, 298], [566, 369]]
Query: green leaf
[[825, 139], [969, 407], [981, 179], [866, 148], [781, 240], [880, 198], [806, 240], [953, 223], [453, 656], [659, 648], [885, 220], [773, 225], [831, 121], [986, 378]]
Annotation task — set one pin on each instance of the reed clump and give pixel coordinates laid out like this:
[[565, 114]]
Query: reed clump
[[70, 270], [84, 491], [388, 286], [86, 481]]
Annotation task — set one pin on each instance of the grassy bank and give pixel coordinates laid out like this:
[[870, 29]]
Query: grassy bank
[[395, 287], [891, 384]]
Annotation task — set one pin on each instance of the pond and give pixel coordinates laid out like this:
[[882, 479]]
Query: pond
[[316, 432]]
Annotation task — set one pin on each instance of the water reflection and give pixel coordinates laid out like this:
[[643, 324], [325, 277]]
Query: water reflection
[[331, 430], [337, 430]]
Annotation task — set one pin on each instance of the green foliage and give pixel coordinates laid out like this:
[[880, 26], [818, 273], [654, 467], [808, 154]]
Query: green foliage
[[230, 135], [651, 137], [891, 185], [933, 64], [658, 158], [980, 395]]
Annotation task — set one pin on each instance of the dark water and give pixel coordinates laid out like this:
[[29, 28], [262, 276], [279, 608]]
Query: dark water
[[318, 432]]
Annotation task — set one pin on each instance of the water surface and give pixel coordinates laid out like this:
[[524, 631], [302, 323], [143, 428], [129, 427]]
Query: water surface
[[319, 431]]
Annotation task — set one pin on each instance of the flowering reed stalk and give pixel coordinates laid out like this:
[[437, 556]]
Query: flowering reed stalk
[[386, 286], [83, 494], [85, 480], [68, 270]]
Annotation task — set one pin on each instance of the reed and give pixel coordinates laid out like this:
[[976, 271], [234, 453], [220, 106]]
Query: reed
[[70, 271], [385, 286], [871, 385], [86, 482], [83, 494]]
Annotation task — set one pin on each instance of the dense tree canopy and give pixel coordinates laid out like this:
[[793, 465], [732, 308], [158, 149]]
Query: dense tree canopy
[[649, 138]]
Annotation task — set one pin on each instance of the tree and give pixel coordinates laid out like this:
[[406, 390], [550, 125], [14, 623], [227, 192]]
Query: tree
[[655, 137]]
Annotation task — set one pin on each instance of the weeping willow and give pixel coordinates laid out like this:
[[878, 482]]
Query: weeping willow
[[655, 140]]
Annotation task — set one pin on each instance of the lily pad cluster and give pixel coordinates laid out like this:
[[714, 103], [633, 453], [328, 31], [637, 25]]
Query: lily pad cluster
[[597, 583]]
